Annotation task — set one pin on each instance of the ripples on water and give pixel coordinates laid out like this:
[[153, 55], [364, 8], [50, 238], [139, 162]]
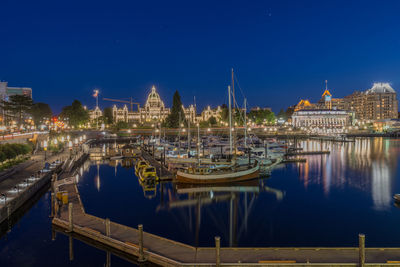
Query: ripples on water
[[324, 202]]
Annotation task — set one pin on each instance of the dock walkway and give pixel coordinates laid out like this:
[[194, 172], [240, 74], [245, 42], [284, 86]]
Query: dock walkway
[[166, 252]]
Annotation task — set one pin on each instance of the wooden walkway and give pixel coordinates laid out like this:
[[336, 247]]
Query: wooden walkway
[[166, 252]]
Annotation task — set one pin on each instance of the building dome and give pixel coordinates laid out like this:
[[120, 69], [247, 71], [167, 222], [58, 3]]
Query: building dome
[[154, 99], [379, 88]]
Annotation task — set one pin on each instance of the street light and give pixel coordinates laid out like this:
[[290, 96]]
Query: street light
[[70, 148], [45, 149]]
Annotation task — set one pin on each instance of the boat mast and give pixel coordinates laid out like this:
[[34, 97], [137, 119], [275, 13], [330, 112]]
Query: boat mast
[[198, 134], [230, 120], [179, 136], [234, 103], [245, 124], [188, 149]]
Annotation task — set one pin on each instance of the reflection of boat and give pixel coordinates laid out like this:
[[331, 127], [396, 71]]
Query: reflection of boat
[[149, 188], [148, 173], [229, 174], [139, 165], [396, 198]]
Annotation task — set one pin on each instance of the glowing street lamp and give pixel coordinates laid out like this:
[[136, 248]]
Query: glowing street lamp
[[45, 149]]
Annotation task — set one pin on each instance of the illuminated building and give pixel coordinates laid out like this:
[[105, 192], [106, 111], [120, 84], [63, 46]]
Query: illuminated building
[[209, 112], [379, 102], [321, 118], [95, 113], [6, 91], [154, 110]]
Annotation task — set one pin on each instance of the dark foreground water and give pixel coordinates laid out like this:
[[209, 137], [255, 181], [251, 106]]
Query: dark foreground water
[[324, 202]]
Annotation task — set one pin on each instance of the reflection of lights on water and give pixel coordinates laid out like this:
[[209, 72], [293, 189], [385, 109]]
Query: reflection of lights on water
[[211, 194], [367, 160], [98, 177], [381, 191]]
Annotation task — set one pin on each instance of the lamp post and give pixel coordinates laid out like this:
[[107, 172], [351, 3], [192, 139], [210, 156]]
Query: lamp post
[[45, 149], [70, 148]]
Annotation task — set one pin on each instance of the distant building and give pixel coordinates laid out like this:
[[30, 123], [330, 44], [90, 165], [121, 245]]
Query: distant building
[[379, 102], [208, 112], [7, 91], [154, 110], [95, 113], [321, 118]]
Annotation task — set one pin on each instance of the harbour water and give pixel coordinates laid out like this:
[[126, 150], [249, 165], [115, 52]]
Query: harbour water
[[324, 202]]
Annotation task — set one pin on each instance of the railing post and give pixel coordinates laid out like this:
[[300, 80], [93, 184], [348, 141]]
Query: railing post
[[217, 251], [108, 227], [141, 255], [361, 249], [71, 223]]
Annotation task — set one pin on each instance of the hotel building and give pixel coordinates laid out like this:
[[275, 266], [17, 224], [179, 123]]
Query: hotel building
[[378, 103]]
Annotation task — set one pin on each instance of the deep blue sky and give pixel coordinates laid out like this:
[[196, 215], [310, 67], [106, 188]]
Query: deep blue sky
[[281, 50]]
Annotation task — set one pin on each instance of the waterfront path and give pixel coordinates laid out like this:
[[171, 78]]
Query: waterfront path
[[166, 252], [19, 173]]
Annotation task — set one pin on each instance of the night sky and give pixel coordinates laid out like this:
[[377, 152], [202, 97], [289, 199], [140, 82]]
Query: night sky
[[281, 50]]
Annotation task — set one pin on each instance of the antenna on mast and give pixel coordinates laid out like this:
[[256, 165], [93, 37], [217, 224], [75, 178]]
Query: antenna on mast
[[326, 84]]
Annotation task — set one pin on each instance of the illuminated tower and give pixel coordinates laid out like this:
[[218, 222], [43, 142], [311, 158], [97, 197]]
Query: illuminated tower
[[327, 97]]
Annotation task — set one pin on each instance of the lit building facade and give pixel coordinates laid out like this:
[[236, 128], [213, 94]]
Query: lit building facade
[[95, 113], [154, 110], [378, 103], [321, 118], [7, 91], [208, 112]]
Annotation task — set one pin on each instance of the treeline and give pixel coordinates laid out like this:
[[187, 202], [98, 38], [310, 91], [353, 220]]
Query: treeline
[[10, 151]]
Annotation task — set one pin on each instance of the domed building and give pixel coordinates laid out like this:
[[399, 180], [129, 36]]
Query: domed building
[[154, 110]]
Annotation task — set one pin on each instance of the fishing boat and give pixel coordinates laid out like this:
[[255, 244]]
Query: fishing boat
[[140, 164], [148, 173], [234, 173]]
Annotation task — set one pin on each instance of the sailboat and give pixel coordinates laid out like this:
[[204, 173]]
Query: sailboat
[[226, 174]]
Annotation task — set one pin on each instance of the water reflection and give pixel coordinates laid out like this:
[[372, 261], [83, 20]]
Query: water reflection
[[239, 198], [365, 164]]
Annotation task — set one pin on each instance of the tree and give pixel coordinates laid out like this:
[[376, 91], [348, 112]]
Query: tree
[[212, 121], [224, 113], [282, 115], [17, 106], [75, 114], [108, 115], [40, 112], [262, 115], [121, 125], [172, 121]]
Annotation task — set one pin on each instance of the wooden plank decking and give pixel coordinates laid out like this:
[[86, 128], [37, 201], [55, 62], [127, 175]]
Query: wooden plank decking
[[167, 252]]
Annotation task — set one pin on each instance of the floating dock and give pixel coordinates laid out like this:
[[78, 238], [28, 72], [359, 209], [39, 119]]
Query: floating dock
[[146, 247]]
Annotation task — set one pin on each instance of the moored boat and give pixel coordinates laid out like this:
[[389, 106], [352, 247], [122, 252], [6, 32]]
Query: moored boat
[[148, 173], [140, 164], [229, 174]]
